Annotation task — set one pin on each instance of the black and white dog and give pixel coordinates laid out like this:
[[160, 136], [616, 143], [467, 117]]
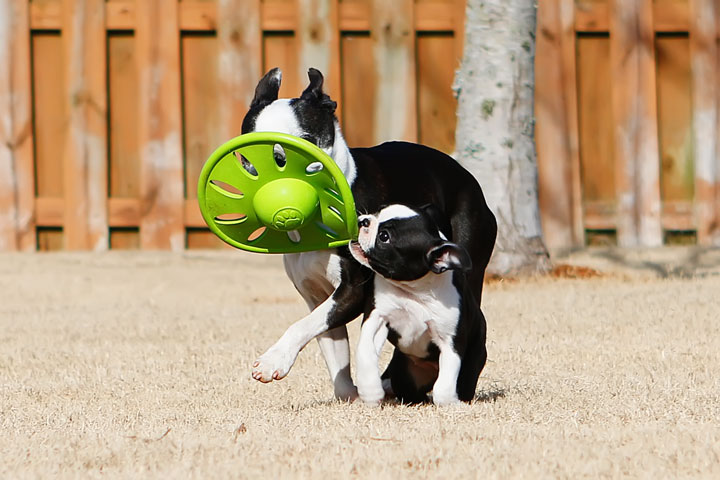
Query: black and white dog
[[422, 303], [333, 284]]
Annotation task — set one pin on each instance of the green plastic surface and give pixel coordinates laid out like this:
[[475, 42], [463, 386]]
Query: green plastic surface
[[282, 209]]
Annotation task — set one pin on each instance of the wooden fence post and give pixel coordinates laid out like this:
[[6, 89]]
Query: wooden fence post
[[17, 185], [85, 153], [557, 126], [157, 36], [704, 63], [318, 43], [637, 170], [392, 29]]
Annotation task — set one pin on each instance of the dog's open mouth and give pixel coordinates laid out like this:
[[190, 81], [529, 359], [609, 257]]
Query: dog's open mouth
[[357, 252]]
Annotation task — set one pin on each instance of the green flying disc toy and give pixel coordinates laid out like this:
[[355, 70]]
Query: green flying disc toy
[[270, 192]]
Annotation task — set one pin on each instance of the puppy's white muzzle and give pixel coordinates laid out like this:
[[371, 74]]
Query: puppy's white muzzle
[[366, 238]]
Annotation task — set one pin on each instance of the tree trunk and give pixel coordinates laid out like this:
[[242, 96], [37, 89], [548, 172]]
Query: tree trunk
[[494, 135]]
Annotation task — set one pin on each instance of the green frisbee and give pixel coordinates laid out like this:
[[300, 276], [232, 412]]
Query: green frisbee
[[257, 203]]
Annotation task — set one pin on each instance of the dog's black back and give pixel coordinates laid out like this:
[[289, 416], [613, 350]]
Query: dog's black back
[[416, 175]]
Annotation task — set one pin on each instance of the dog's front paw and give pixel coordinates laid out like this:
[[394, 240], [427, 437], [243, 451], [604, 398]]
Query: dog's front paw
[[444, 399], [371, 396], [272, 365]]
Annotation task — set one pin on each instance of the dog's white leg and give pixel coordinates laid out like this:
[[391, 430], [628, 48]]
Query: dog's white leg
[[380, 338], [369, 384], [336, 351], [275, 363], [445, 387]]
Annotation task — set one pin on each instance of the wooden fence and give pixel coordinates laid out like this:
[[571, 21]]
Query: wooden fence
[[626, 105], [108, 109]]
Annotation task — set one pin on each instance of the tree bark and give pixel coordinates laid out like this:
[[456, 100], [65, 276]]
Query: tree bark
[[494, 135]]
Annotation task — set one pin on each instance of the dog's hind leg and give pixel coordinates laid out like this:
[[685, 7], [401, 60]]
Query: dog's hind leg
[[335, 348], [472, 364]]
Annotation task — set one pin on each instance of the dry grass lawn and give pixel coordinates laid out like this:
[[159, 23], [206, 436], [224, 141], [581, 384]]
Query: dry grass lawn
[[138, 366]]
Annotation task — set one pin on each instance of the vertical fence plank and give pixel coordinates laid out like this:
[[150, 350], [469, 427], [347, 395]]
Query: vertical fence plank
[[122, 99], [704, 63], [49, 107], [239, 62], [124, 162], [50, 112], [635, 113], [203, 129], [17, 186], [595, 127], [85, 152], [436, 104], [459, 29], [358, 95], [159, 125], [393, 35], [318, 43], [675, 132], [557, 126]]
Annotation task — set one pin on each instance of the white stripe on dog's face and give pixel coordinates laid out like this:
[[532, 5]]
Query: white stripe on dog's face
[[278, 117], [396, 212]]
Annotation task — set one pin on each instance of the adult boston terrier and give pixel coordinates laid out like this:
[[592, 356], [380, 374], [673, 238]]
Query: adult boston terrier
[[423, 304], [334, 285]]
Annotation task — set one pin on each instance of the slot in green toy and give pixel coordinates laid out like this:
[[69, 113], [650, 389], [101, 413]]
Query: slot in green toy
[[257, 203]]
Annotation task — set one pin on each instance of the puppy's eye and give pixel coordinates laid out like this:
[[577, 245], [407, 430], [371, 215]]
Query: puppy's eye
[[365, 222], [384, 236]]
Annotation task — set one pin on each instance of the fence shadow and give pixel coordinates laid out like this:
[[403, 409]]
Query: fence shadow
[[665, 262]]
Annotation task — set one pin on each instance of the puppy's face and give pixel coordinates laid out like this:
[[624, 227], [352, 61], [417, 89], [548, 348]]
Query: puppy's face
[[310, 116], [404, 244]]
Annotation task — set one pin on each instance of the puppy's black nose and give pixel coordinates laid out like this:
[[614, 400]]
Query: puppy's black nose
[[365, 222]]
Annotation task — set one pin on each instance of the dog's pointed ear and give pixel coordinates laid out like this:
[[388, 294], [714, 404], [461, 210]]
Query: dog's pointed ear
[[314, 90], [267, 88], [448, 256]]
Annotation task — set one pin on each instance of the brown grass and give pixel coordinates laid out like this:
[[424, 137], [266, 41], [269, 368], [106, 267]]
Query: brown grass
[[138, 365]]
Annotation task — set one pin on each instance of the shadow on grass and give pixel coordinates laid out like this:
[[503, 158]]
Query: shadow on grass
[[490, 395], [690, 262]]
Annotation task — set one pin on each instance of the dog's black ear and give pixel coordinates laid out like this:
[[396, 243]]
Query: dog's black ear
[[267, 88], [314, 90], [448, 256]]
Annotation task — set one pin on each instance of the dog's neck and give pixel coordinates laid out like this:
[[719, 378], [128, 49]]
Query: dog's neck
[[342, 156]]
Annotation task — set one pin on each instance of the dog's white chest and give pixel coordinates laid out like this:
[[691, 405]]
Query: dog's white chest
[[419, 316]]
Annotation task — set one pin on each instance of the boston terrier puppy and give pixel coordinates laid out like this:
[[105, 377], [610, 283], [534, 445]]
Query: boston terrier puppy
[[333, 284], [422, 302]]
